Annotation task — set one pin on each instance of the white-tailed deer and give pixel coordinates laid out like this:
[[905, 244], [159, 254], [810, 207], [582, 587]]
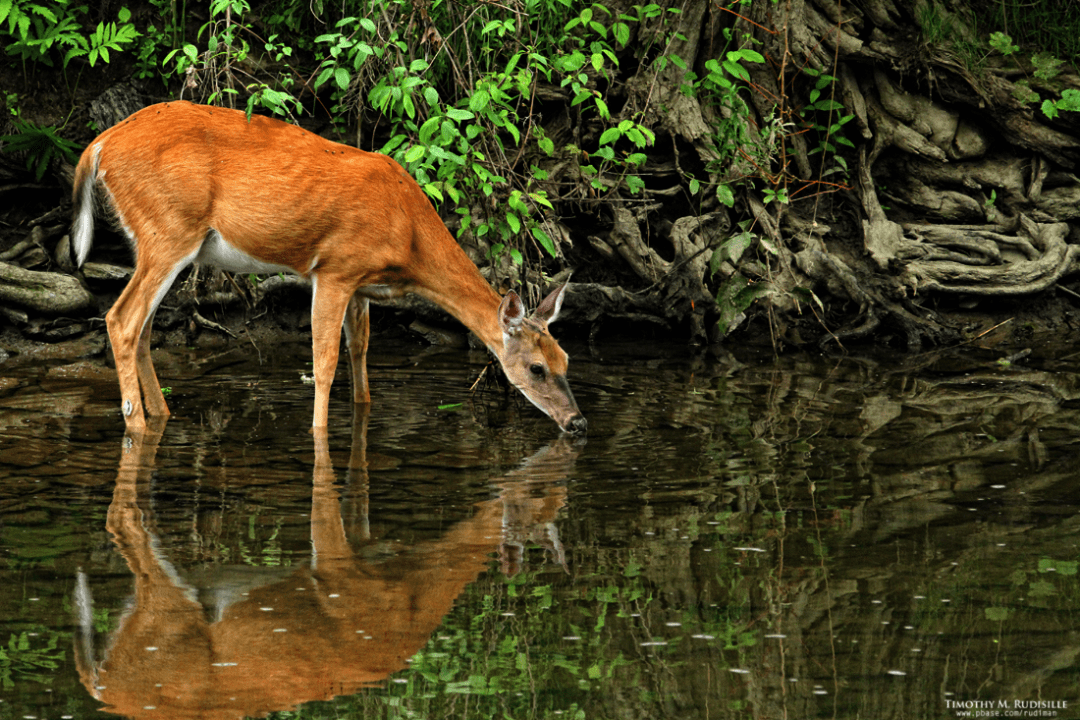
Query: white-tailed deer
[[191, 183]]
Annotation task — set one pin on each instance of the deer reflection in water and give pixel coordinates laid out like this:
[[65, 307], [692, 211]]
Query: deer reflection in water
[[273, 648]]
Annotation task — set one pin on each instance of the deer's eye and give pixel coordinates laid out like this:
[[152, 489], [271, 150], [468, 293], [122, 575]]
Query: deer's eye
[[537, 369]]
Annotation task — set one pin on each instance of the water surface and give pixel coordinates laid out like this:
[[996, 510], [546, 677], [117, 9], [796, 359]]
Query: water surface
[[738, 537]]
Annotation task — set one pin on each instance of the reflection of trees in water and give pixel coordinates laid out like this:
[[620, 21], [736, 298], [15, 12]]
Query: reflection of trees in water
[[883, 521]]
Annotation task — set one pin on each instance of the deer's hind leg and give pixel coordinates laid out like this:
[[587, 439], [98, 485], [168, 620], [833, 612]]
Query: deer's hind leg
[[357, 334], [130, 319]]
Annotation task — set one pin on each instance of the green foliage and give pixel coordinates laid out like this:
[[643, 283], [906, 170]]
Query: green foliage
[[37, 30], [29, 656], [461, 134], [41, 145], [1003, 43], [736, 293], [44, 31], [457, 94], [527, 640], [1053, 28], [1046, 69], [829, 133]]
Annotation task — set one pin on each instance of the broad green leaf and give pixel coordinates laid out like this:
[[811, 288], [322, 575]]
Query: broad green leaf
[[458, 114], [610, 135], [341, 77], [541, 199], [602, 109], [514, 223], [428, 129], [414, 153], [545, 241], [479, 100], [622, 33]]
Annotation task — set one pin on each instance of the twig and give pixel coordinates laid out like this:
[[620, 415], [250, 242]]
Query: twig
[[210, 324]]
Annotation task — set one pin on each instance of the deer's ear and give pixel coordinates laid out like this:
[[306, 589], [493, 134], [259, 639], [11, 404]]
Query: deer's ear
[[511, 313], [548, 310]]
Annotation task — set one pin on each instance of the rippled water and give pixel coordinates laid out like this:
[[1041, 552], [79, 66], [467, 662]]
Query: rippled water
[[738, 537]]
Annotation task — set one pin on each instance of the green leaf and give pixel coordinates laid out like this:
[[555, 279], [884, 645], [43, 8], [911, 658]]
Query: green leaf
[[432, 190], [341, 77], [545, 241], [414, 153], [572, 62], [479, 100], [428, 129], [610, 135], [622, 33], [746, 54], [602, 109], [516, 203], [458, 114], [736, 70], [540, 198], [514, 222], [733, 248], [725, 195]]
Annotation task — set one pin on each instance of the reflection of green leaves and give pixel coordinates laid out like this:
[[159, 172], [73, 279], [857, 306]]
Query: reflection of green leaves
[[262, 552], [1061, 567], [21, 660], [996, 614], [1041, 588], [530, 641], [39, 544]]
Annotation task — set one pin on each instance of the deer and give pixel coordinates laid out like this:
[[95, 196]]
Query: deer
[[189, 183]]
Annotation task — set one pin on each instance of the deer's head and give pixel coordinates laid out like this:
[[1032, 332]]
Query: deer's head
[[534, 362]]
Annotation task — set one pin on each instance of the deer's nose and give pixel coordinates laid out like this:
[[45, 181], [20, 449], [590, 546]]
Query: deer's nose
[[576, 424]]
